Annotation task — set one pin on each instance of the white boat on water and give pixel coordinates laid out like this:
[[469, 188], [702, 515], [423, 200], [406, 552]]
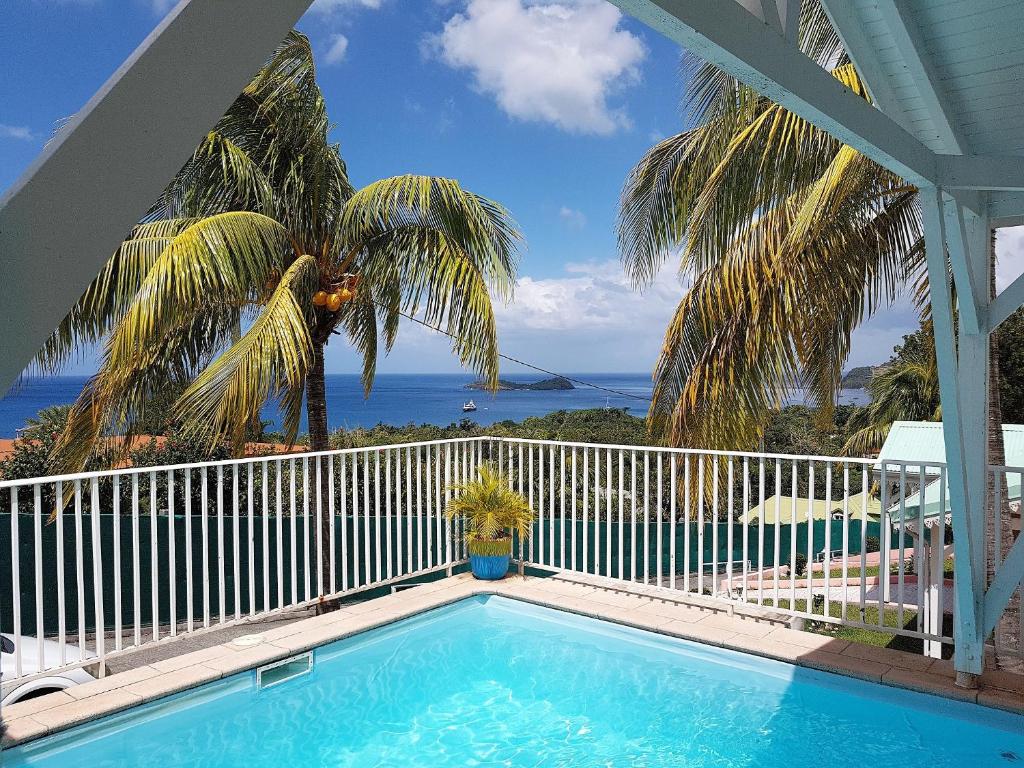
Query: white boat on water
[[470, 406]]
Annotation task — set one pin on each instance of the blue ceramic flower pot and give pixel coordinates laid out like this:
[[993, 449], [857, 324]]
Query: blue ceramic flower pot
[[489, 567]]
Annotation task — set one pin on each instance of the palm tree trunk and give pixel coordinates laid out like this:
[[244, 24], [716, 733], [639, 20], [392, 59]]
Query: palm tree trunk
[[319, 440], [998, 520]]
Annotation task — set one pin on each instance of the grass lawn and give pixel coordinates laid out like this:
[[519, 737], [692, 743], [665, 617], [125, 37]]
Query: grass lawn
[[878, 638]]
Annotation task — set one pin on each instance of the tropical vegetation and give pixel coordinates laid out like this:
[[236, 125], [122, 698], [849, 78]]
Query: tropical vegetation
[[788, 240], [490, 511], [257, 254]]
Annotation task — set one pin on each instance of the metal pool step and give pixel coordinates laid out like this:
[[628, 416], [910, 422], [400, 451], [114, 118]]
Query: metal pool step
[[284, 670]]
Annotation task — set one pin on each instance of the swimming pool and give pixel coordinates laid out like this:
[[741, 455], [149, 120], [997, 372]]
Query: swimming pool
[[493, 681]]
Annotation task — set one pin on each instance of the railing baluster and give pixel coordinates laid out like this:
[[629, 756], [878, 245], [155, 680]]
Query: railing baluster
[[659, 538], [343, 499], [279, 532], [729, 517], [574, 565], [846, 541], [586, 511], [700, 525], [79, 569], [172, 581], [430, 505], [447, 498], [116, 523], [407, 511], [16, 575], [308, 593], [332, 574], [746, 530], [292, 529], [368, 517], [561, 508], [189, 539], [672, 523], [221, 586], [205, 526], [632, 515], [621, 526], [37, 564], [810, 537], [265, 528], [419, 509], [154, 574], [902, 546], [388, 545], [714, 526], [777, 543], [608, 511], [760, 531], [378, 520], [236, 544], [826, 559], [792, 538], [58, 488], [250, 537], [356, 542]]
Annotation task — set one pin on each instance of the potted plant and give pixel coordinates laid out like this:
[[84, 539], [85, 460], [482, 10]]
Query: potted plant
[[492, 513]]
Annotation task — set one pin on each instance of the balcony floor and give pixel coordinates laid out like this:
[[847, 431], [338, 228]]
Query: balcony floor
[[754, 631]]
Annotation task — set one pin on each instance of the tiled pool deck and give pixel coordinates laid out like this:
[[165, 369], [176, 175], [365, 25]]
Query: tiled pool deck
[[632, 605]]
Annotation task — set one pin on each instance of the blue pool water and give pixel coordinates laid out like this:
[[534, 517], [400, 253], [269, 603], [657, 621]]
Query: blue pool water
[[495, 682]]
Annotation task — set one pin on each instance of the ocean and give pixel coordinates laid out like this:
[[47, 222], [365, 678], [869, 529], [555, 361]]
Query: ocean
[[399, 399]]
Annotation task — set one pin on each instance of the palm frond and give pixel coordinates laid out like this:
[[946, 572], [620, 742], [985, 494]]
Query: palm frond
[[270, 359], [226, 258]]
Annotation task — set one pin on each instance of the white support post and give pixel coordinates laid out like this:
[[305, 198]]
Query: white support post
[[963, 382]]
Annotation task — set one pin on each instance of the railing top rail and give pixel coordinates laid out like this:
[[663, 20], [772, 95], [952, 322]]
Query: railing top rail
[[105, 473], [707, 452], [890, 464]]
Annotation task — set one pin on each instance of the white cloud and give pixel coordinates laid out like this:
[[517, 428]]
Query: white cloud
[[554, 62], [1009, 255], [337, 49], [594, 296], [328, 7], [586, 319], [161, 7], [573, 219], [19, 132]]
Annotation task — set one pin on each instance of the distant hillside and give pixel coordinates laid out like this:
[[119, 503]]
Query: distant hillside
[[506, 386], [858, 378]]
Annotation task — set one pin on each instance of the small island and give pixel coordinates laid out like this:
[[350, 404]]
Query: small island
[[512, 386], [859, 378]]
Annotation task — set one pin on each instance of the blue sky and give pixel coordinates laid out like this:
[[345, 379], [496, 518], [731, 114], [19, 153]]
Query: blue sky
[[543, 105]]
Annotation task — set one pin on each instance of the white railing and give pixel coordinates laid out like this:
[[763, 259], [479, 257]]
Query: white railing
[[675, 518], [100, 563], [185, 549]]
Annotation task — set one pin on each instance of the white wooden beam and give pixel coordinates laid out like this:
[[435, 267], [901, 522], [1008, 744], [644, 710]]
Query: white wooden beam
[[764, 10], [789, 12], [1009, 576], [731, 38], [69, 211], [1006, 209], [972, 298], [919, 66], [1006, 303], [963, 377], [983, 172], [861, 50]]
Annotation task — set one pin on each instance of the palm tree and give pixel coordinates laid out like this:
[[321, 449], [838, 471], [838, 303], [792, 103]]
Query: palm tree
[[789, 239], [904, 389], [254, 232], [261, 230]]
